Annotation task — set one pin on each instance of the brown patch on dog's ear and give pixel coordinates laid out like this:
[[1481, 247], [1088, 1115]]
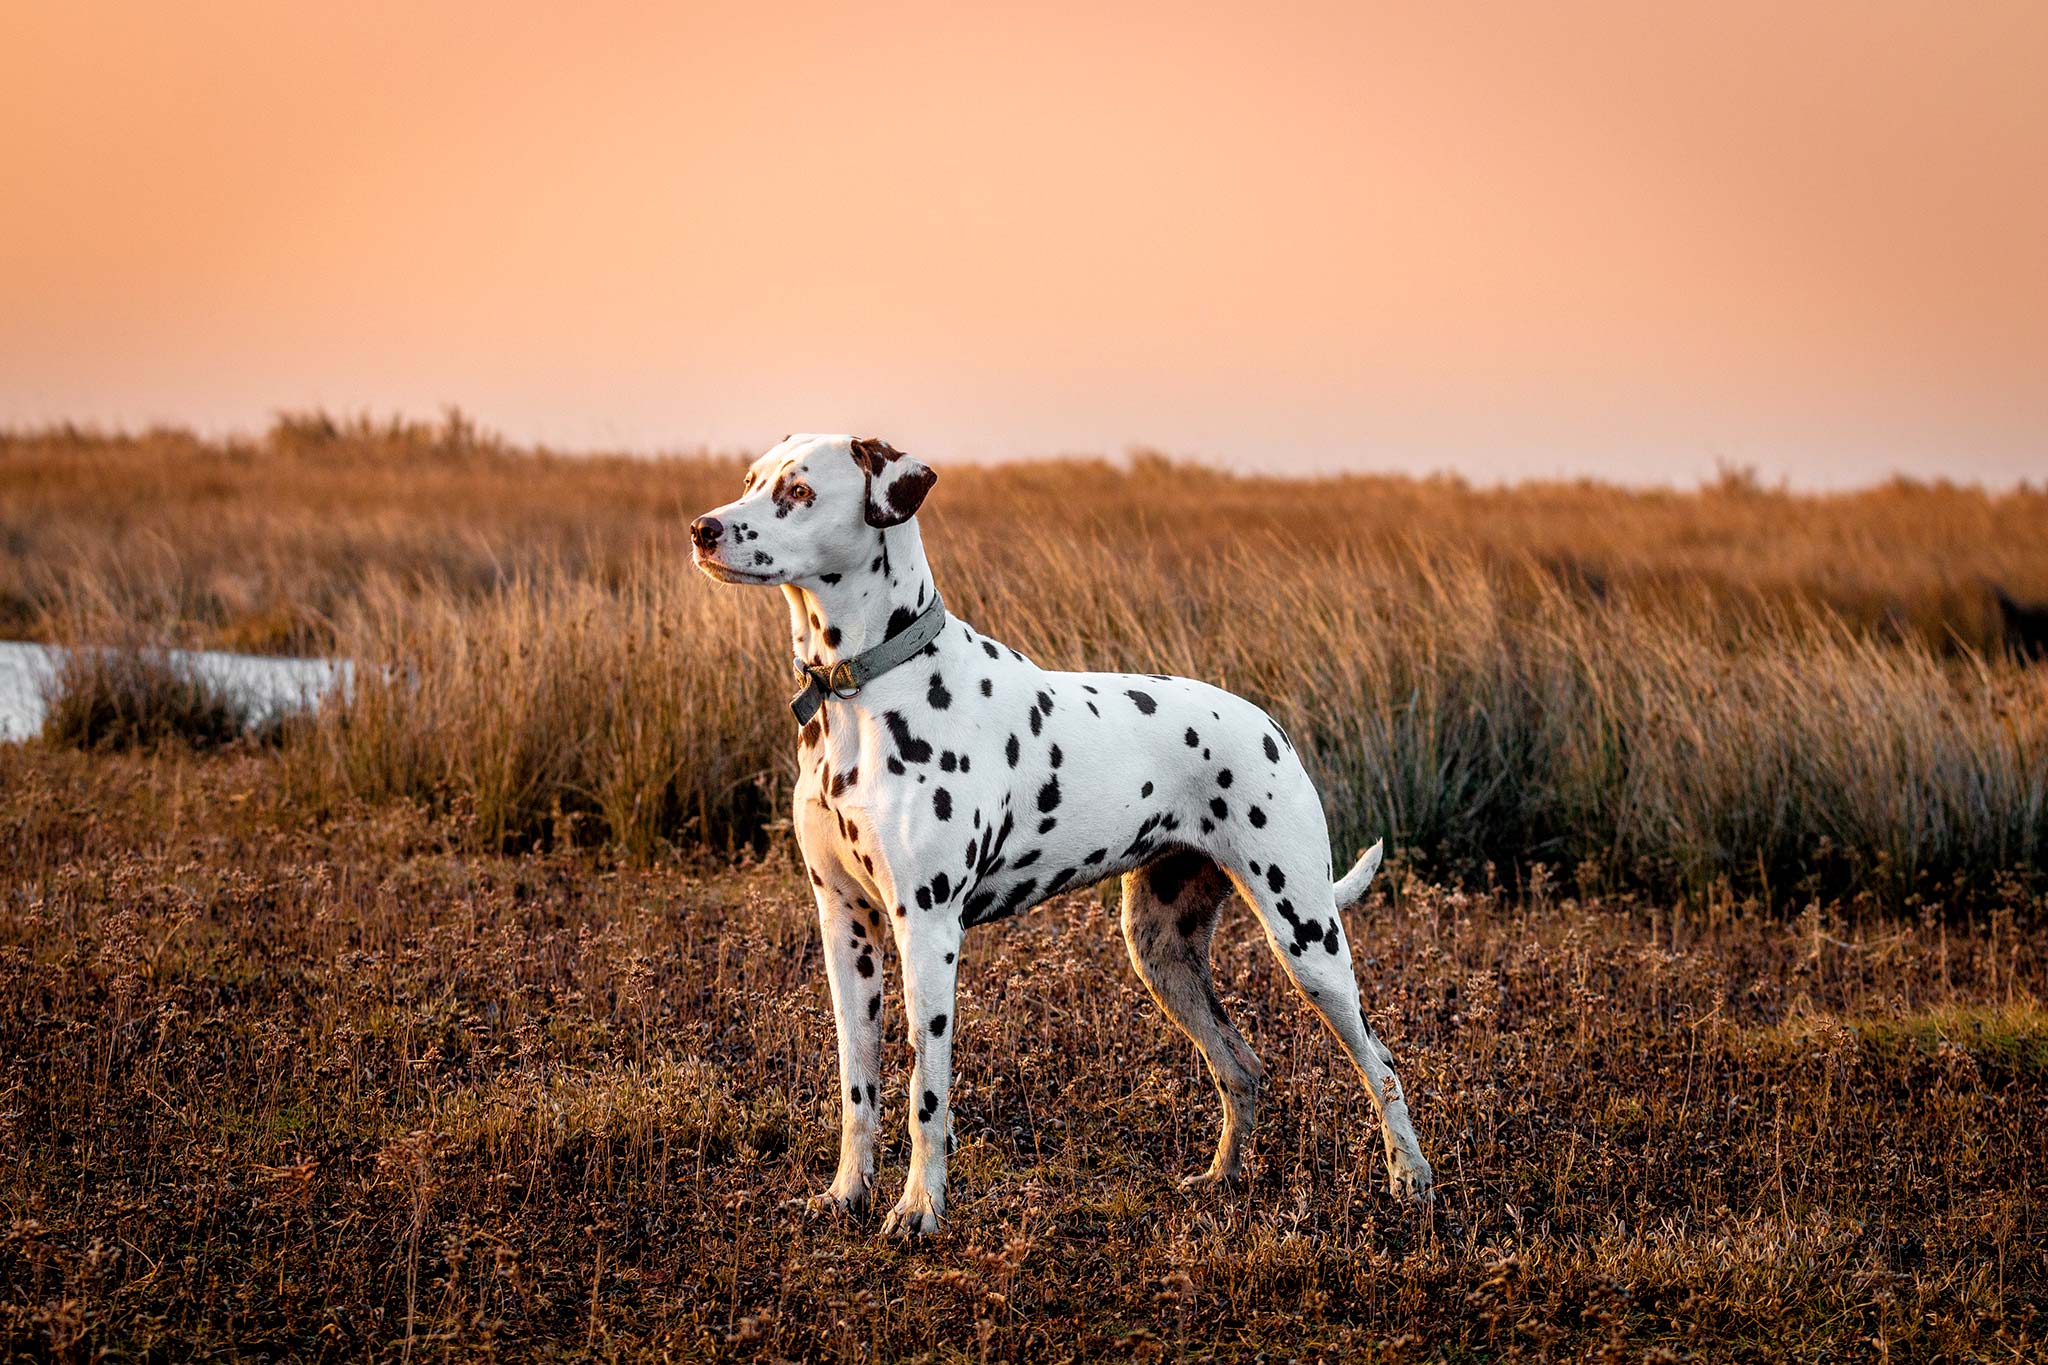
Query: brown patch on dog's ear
[[907, 490], [874, 455], [896, 483]]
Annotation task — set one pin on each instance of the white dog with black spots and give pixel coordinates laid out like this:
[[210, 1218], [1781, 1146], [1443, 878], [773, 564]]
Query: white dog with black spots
[[967, 784]]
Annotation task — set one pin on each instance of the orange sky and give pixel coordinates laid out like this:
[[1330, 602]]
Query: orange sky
[[1625, 239]]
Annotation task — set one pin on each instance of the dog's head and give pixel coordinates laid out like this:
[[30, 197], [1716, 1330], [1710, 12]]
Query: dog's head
[[810, 510]]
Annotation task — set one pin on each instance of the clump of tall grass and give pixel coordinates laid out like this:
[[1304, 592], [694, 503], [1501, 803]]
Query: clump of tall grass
[[557, 711], [132, 698], [1474, 714], [1471, 714]]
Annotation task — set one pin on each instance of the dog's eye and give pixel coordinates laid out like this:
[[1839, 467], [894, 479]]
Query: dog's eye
[[798, 492]]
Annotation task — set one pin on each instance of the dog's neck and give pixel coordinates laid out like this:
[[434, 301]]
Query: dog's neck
[[833, 621]]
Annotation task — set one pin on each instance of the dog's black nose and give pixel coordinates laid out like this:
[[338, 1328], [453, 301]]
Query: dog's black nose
[[705, 531]]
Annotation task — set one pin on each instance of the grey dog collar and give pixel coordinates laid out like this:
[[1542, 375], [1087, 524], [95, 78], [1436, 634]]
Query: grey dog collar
[[847, 677]]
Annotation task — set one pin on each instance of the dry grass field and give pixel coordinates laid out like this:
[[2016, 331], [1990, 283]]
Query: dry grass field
[[481, 1013], [337, 1089]]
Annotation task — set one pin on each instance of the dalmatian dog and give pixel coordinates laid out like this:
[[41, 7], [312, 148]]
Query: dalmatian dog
[[958, 783]]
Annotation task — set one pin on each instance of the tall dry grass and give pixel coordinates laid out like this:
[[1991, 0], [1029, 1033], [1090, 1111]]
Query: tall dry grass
[[260, 543], [1470, 715], [556, 711], [137, 698], [1792, 694]]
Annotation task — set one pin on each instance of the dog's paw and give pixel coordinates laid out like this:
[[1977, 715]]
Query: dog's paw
[[1211, 1179], [914, 1216], [1409, 1178], [842, 1197]]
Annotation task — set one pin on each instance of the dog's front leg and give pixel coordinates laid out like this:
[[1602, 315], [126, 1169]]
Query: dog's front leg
[[930, 949], [853, 966]]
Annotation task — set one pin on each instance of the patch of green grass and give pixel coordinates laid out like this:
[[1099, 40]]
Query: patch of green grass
[[2009, 1038], [2006, 1039]]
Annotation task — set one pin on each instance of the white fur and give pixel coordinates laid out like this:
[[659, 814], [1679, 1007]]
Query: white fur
[[969, 784]]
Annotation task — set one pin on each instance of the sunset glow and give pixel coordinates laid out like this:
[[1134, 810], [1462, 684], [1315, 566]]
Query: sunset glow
[[1597, 238]]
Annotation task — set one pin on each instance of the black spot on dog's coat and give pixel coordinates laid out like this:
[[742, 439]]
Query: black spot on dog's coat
[[1143, 701], [1011, 750], [1049, 795], [912, 748], [1191, 739], [938, 1026], [899, 621], [942, 804], [1257, 817], [1272, 750], [936, 695]]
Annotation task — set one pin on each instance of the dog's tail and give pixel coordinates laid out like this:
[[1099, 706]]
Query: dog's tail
[[1352, 885]]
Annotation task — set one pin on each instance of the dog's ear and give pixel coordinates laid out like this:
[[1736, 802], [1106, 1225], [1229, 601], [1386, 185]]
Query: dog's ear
[[896, 483]]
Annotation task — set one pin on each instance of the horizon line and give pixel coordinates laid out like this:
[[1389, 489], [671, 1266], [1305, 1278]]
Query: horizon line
[[479, 437]]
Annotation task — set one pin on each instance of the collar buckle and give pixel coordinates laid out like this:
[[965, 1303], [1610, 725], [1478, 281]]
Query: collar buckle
[[845, 678]]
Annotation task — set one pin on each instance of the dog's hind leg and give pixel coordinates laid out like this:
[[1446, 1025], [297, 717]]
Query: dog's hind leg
[[1169, 917], [1298, 908]]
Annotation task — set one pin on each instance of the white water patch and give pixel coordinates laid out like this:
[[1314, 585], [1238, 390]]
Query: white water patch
[[267, 684]]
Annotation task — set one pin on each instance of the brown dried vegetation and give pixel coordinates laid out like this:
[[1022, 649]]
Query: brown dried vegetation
[[482, 1014], [1791, 695], [337, 1090]]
